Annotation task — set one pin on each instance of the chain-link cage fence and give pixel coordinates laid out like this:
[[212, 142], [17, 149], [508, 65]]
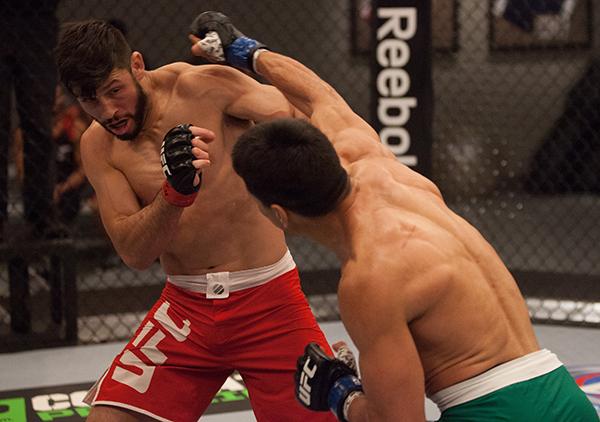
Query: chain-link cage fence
[[514, 151], [516, 147]]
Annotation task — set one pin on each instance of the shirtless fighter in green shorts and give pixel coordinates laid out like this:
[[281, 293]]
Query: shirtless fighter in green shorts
[[429, 304]]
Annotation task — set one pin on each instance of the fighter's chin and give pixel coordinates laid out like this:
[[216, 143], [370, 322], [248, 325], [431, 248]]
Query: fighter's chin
[[126, 136], [127, 132]]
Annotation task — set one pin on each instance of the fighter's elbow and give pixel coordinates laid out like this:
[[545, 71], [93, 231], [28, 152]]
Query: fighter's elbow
[[281, 114], [296, 113], [136, 262]]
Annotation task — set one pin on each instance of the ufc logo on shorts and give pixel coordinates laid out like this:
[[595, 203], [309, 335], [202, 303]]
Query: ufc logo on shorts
[[141, 381], [304, 388]]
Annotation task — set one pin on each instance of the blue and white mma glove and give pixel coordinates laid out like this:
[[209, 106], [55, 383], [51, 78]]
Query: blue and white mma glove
[[323, 383], [224, 43]]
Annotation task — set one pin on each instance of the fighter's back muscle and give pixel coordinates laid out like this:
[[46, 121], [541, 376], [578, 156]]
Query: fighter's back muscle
[[446, 281]]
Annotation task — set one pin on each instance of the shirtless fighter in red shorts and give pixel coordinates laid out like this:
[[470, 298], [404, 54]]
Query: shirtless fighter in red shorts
[[232, 300]]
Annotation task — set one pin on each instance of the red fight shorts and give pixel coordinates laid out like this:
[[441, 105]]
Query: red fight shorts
[[188, 345]]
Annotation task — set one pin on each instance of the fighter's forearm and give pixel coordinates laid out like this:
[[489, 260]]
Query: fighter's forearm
[[303, 88], [142, 237], [75, 180], [357, 412]]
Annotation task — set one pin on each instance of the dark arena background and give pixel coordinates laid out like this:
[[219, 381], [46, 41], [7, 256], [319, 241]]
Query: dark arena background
[[499, 106]]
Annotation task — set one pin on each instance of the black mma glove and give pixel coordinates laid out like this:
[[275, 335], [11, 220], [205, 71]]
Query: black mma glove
[[223, 42], [176, 158], [324, 383]]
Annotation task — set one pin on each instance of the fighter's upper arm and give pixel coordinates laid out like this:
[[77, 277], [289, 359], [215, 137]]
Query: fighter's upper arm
[[259, 102], [389, 363], [392, 378], [351, 136], [236, 94], [115, 197]]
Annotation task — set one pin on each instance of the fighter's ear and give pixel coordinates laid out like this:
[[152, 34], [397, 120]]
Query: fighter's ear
[[281, 215], [137, 65]]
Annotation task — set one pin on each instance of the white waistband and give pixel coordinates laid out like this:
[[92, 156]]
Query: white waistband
[[236, 280], [517, 370]]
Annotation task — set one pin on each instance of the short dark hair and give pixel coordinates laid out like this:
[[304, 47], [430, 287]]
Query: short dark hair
[[291, 163], [86, 54]]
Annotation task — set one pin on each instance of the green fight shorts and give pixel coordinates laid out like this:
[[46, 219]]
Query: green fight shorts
[[553, 397]]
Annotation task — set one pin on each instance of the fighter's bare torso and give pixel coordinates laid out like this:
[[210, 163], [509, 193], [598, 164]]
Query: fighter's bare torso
[[419, 263], [223, 230]]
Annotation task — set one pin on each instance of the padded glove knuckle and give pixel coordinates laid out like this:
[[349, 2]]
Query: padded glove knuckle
[[177, 164]]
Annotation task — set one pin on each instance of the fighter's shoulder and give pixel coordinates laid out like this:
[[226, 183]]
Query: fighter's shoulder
[[372, 265], [181, 73], [404, 280], [95, 142], [95, 133], [209, 74], [169, 73], [369, 296], [354, 144]]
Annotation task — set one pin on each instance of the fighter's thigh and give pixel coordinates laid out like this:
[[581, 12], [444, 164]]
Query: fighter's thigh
[[273, 342], [166, 370], [114, 414], [270, 379]]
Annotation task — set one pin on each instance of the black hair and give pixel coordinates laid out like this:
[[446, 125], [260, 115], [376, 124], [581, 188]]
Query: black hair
[[87, 52], [291, 163]]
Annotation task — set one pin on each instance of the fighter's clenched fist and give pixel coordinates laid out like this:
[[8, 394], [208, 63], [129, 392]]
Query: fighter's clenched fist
[[324, 383], [218, 40], [183, 153]]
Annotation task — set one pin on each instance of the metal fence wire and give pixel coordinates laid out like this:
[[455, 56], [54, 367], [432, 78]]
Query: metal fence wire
[[515, 149]]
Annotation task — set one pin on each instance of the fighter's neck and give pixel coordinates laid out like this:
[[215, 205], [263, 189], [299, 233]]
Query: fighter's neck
[[331, 234], [153, 109], [334, 230]]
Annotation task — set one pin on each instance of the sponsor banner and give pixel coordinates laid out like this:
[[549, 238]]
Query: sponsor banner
[[65, 403], [587, 378], [402, 92]]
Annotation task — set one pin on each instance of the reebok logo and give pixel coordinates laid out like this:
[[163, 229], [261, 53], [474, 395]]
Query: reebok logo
[[393, 81]]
